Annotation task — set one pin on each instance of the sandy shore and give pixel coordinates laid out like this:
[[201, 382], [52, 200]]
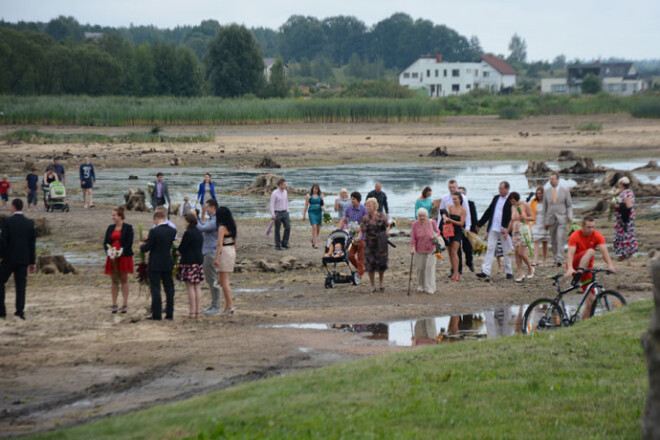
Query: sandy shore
[[73, 361]]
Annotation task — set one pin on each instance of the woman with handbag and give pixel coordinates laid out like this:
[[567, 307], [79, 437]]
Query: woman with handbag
[[452, 231], [422, 247]]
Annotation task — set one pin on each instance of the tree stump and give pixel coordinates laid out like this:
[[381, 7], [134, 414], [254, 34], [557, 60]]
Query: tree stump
[[651, 344], [537, 168], [46, 263], [268, 162], [136, 200]]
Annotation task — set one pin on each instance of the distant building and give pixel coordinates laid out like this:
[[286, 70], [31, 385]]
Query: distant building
[[268, 67], [444, 79], [618, 79], [93, 35]]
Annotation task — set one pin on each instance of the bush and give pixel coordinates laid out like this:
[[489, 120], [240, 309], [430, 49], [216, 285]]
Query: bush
[[646, 109], [589, 126], [510, 113]]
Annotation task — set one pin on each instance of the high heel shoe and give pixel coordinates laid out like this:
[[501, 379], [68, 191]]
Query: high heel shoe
[[228, 312], [531, 275], [373, 289], [519, 280]]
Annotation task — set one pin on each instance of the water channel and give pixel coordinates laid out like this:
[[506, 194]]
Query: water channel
[[403, 182]]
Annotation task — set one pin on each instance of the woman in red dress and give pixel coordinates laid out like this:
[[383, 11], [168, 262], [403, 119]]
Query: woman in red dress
[[119, 236]]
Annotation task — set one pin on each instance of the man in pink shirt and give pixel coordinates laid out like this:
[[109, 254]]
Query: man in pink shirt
[[279, 212]]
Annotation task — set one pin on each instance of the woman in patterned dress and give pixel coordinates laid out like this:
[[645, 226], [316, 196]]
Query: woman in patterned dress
[[374, 227], [625, 235], [191, 269]]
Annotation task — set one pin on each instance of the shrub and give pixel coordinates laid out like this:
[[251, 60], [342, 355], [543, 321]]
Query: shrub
[[510, 113], [646, 109], [589, 126]]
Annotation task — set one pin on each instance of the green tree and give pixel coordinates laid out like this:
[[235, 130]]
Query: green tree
[[234, 64], [322, 69], [559, 62], [277, 86], [64, 28], [354, 67], [144, 70], [517, 50], [188, 75], [305, 67], [301, 37], [344, 36], [591, 84]]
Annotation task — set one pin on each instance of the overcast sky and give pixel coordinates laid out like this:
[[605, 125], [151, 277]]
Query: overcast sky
[[576, 28]]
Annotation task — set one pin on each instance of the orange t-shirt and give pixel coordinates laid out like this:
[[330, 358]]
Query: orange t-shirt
[[584, 242]]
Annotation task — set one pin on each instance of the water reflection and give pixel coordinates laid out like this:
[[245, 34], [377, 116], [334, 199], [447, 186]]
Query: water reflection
[[504, 321], [402, 182]]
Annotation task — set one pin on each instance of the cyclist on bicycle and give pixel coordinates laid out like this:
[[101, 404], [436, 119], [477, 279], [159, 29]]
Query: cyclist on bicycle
[[582, 246]]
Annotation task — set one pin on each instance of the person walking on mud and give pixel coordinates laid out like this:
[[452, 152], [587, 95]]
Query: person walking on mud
[[209, 232], [380, 196], [161, 193], [351, 220], [87, 179], [557, 212], [279, 212], [498, 217]]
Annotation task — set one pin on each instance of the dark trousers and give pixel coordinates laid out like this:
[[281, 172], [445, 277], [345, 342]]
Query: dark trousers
[[282, 217], [467, 247], [20, 280], [155, 278]]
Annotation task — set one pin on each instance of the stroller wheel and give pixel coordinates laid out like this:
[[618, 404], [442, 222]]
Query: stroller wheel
[[331, 283], [356, 278], [66, 208], [328, 279]]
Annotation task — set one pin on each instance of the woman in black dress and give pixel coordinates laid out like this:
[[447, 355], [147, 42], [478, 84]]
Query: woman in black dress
[[455, 220], [191, 269]]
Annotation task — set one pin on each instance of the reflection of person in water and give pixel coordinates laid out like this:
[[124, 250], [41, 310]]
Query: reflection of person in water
[[425, 332], [503, 322]]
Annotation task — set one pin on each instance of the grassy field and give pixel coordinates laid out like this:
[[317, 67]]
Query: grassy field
[[588, 381], [38, 137], [127, 111]]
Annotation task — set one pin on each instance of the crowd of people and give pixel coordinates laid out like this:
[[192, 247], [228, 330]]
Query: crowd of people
[[515, 227]]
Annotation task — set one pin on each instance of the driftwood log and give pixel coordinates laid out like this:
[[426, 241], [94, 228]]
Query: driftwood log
[[50, 264], [268, 162], [136, 200], [537, 168], [651, 344]]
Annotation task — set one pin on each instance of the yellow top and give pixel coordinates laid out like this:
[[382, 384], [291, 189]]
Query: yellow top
[[534, 203]]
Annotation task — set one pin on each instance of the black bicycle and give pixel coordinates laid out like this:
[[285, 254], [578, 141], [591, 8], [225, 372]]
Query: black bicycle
[[548, 314]]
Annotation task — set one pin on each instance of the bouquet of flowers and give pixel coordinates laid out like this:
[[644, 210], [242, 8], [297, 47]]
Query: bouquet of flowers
[[354, 229], [439, 243], [614, 200], [175, 259], [151, 187], [573, 226], [142, 269], [114, 254], [327, 218], [478, 245], [393, 223]]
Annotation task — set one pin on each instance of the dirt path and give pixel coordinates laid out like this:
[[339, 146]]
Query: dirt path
[[73, 361]]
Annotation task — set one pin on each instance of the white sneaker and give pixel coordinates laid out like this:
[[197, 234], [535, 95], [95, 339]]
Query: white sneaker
[[211, 311]]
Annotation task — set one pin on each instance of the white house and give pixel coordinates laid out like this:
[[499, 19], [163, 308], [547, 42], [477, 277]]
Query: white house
[[444, 79], [268, 67], [617, 78]]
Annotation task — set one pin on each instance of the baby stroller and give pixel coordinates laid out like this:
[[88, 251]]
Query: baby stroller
[[335, 277], [56, 197]]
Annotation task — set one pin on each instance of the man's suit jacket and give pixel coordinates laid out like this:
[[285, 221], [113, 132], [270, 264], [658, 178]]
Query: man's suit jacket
[[558, 212], [18, 240], [159, 245], [473, 215], [488, 215], [166, 193]]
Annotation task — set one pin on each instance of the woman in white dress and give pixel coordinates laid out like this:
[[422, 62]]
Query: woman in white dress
[[540, 235]]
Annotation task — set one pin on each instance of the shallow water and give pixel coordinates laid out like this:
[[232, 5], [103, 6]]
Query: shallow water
[[402, 182]]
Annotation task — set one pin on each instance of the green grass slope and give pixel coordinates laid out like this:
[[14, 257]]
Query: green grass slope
[[588, 381]]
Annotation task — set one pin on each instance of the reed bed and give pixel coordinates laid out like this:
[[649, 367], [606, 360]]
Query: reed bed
[[38, 137], [130, 111]]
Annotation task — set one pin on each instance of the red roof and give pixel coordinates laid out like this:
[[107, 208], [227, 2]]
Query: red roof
[[498, 64]]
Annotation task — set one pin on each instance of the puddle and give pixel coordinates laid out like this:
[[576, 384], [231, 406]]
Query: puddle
[[75, 258], [407, 333], [248, 290], [403, 182]]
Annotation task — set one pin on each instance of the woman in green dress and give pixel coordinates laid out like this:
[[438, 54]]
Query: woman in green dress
[[314, 207], [424, 201]]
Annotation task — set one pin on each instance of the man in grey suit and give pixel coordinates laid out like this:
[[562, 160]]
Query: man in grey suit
[[558, 212], [161, 193]]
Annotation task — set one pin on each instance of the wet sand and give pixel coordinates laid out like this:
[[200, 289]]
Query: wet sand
[[73, 361]]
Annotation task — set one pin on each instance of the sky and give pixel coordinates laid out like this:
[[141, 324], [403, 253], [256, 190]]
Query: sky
[[584, 29]]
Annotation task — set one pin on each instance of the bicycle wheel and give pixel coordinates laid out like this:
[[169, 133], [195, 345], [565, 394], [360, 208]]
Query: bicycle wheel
[[542, 315], [607, 301]]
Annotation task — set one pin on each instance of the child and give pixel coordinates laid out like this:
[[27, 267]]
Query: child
[[336, 250], [185, 207], [5, 186], [31, 181]]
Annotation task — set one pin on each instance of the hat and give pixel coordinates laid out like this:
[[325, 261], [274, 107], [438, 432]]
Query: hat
[[624, 181]]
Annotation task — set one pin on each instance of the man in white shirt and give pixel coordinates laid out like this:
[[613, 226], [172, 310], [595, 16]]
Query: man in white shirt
[[498, 216], [279, 212], [447, 201]]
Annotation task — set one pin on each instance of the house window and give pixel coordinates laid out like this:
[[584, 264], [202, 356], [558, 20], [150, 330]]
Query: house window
[[455, 72], [624, 86], [436, 72], [468, 86], [406, 75], [432, 89], [476, 72], [414, 75], [558, 88], [428, 73], [439, 87], [445, 72], [486, 74], [455, 87]]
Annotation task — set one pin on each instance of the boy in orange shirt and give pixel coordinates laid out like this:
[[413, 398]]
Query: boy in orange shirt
[[582, 246]]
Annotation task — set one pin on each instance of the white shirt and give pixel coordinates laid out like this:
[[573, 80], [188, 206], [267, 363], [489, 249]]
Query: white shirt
[[448, 201], [496, 224], [279, 201]]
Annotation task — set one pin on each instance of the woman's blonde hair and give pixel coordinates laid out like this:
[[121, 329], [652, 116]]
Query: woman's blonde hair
[[422, 211], [372, 200], [343, 190]]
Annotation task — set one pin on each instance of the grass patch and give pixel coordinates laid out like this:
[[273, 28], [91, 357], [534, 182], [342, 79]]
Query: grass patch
[[646, 109], [588, 381], [510, 113], [154, 136], [589, 126], [164, 111]]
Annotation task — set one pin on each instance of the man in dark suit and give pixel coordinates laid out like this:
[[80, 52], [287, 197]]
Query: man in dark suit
[[17, 252], [161, 193], [467, 245], [498, 216], [159, 245]]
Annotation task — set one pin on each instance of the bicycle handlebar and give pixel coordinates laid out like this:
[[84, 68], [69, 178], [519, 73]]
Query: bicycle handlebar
[[594, 271]]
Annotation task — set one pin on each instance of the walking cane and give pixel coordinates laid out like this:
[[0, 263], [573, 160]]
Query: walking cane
[[410, 273]]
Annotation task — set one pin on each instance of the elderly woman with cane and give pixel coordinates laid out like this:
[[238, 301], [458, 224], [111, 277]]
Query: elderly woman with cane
[[422, 249]]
